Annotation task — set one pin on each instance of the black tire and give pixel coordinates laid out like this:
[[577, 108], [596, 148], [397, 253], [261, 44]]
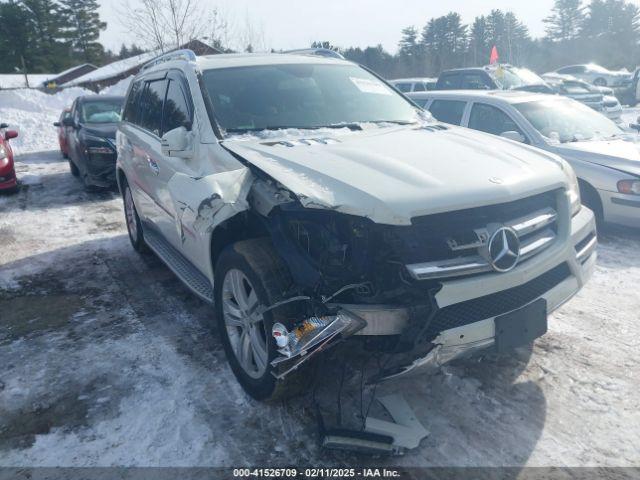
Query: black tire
[[134, 225], [592, 201], [72, 166], [269, 277]]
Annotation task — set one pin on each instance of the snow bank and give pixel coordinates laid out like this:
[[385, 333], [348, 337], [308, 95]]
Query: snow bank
[[32, 113], [119, 88]]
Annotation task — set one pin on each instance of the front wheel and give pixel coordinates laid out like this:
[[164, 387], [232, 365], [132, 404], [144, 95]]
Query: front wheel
[[249, 274], [72, 166]]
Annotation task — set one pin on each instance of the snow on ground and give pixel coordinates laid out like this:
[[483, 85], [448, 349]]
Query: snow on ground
[[106, 359], [32, 113]]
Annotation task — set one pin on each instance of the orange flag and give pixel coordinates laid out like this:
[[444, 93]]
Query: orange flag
[[494, 56]]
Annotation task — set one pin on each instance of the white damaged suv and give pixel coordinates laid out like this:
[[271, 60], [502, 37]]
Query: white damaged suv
[[311, 203]]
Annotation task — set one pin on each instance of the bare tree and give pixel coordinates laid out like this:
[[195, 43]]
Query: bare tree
[[164, 24]]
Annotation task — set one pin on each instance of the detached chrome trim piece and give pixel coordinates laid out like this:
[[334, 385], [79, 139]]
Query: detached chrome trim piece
[[534, 244]]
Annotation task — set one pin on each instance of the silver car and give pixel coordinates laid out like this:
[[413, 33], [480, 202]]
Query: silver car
[[604, 157], [597, 75]]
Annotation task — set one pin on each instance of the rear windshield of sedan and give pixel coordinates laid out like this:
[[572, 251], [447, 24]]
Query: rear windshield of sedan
[[302, 96], [101, 111]]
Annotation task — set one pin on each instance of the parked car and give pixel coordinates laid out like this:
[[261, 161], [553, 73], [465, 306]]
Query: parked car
[[310, 202], [90, 132], [606, 162], [571, 87], [600, 99], [63, 142], [492, 77], [8, 179], [597, 75], [406, 85]]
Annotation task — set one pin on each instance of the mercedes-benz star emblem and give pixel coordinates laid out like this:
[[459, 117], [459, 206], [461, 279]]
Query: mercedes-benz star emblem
[[504, 249]]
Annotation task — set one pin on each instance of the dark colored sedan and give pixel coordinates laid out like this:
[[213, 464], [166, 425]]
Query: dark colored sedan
[[8, 180], [62, 133], [91, 133]]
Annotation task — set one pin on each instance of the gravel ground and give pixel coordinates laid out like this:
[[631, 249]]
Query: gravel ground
[[106, 359]]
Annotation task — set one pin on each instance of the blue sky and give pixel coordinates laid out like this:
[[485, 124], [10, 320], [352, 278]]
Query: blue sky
[[295, 23]]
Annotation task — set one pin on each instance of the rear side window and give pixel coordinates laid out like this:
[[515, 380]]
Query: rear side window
[[419, 87], [489, 119], [176, 110], [448, 111], [151, 106], [404, 87], [449, 82], [132, 107]]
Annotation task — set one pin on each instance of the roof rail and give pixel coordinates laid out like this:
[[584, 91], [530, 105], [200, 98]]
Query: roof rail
[[319, 52], [185, 54]]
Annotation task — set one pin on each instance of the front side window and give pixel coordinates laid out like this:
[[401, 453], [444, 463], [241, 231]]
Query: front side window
[[176, 110], [490, 119], [132, 106], [101, 111], [151, 106], [448, 111], [404, 87], [566, 120], [419, 87], [302, 96]]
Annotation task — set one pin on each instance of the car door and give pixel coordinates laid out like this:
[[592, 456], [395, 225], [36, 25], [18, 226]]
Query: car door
[[147, 153], [72, 136], [177, 112]]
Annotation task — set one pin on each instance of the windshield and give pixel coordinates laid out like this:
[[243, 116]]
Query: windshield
[[101, 111], [567, 120], [511, 77], [302, 96]]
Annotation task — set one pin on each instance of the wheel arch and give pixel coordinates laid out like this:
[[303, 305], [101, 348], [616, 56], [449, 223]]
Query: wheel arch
[[591, 198]]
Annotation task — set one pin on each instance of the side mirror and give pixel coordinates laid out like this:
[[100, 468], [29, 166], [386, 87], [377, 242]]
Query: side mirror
[[513, 135], [175, 143], [3, 126], [57, 124], [68, 122], [10, 134]]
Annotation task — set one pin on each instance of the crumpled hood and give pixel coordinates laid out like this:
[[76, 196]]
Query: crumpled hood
[[619, 154], [393, 174], [104, 130]]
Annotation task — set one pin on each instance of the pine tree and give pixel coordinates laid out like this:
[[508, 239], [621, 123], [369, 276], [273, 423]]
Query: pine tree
[[479, 48], [44, 24], [84, 29], [565, 21]]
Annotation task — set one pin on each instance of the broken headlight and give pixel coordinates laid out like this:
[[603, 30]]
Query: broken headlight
[[337, 244]]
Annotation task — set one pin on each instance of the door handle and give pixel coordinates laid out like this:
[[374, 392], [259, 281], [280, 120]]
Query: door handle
[[153, 165]]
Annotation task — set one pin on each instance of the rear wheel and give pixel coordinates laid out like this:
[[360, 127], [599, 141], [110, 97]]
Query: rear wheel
[[250, 274], [134, 226]]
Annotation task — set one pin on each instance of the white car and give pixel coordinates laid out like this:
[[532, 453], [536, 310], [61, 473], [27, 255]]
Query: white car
[[597, 75], [406, 85], [310, 202], [603, 156]]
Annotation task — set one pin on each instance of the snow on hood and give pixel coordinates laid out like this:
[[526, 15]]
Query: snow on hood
[[391, 175], [620, 154]]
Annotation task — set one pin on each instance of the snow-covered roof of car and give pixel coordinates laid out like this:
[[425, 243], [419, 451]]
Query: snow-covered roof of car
[[228, 60], [509, 96]]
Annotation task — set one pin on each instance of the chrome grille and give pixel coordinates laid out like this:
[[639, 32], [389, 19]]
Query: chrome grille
[[469, 253]]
